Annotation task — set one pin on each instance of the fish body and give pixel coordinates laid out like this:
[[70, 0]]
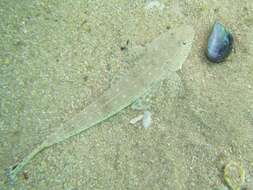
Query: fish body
[[163, 55]]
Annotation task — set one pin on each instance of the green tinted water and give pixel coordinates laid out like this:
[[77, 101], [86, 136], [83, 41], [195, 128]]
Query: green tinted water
[[57, 57]]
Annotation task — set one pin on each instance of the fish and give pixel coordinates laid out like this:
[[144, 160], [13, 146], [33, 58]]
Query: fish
[[162, 56]]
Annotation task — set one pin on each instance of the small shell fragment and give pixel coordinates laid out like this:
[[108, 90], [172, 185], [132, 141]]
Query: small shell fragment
[[146, 122], [136, 119], [234, 175], [154, 4]]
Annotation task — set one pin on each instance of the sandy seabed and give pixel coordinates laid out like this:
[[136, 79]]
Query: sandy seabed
[[58, 56]]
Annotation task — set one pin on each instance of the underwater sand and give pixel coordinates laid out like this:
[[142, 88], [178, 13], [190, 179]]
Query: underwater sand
[[57, 57]]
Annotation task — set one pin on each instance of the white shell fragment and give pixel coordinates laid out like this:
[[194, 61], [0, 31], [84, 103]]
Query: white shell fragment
[[146, 122], [154, 4], [136, 119], [145, 118]]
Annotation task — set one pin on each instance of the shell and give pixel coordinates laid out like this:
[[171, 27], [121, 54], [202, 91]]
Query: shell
[[220, 43], [146, 122], [234, 175]]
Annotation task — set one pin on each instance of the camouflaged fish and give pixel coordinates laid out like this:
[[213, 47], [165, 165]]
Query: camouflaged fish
[[162, 56]]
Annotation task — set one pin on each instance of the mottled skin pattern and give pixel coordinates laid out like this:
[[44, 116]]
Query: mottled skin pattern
[[155, 64]]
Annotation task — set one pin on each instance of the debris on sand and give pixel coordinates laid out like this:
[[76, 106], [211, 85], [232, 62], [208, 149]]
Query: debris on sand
[[145, 118], [146, 122], [136, 119], [234, 175], [154, 4]]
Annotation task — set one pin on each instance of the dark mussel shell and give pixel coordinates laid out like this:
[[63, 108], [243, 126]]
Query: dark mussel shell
[[220, 43]]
